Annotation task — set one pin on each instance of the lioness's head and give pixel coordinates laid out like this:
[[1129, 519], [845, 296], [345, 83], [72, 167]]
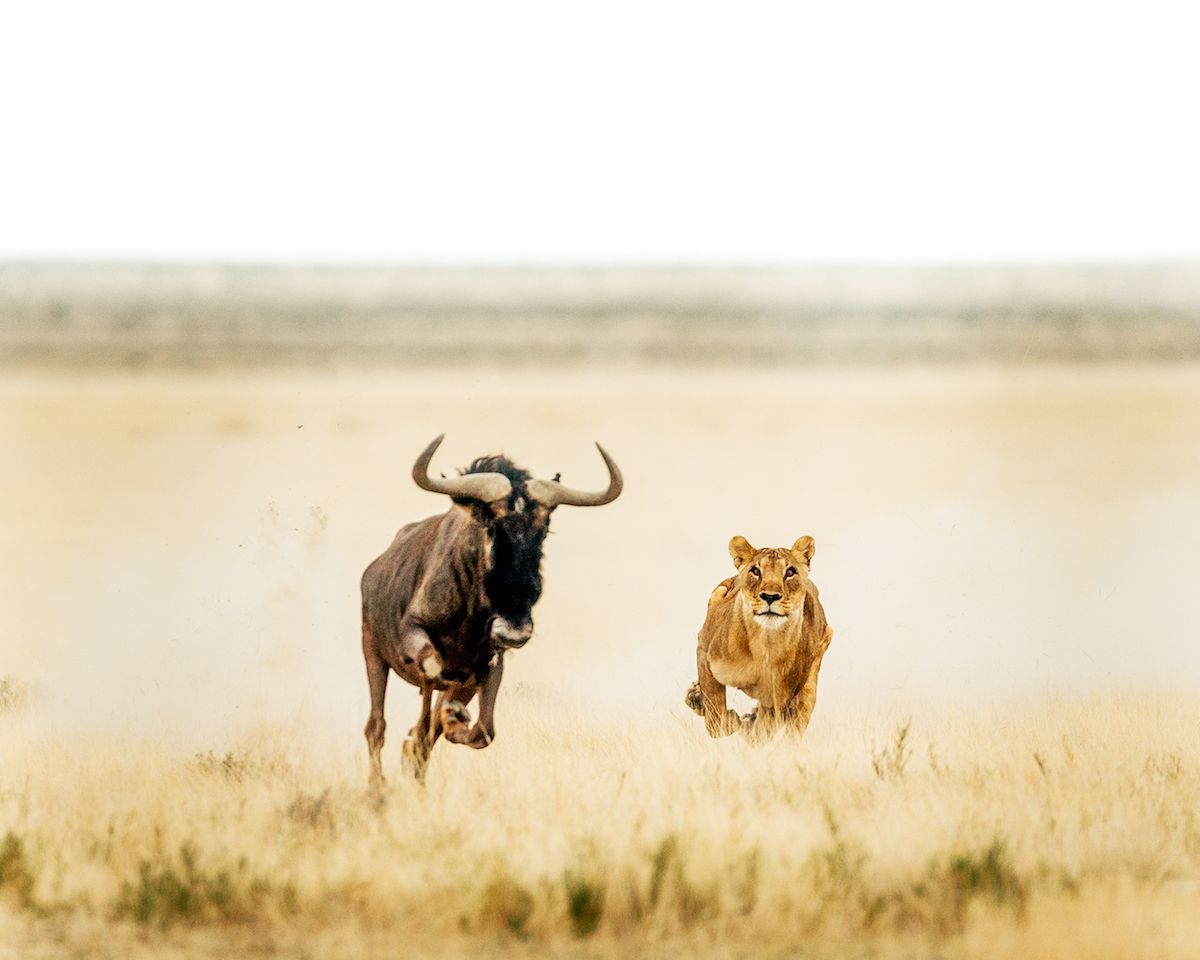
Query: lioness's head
[[771, 582]]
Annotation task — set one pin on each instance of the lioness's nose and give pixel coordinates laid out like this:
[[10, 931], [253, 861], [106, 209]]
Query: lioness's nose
[[770, 597]]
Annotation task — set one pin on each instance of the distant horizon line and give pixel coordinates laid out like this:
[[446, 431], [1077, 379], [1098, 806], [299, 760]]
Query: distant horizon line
[[604, 264]]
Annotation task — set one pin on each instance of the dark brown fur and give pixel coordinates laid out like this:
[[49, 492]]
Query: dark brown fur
[[437, 592], [452, 593]]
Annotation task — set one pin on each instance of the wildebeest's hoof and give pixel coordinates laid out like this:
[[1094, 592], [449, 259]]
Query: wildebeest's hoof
[[694, 698], [456, 722], [480, 737], [415, 759]]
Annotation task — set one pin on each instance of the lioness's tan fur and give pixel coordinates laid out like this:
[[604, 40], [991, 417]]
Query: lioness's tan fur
[[765, 634]]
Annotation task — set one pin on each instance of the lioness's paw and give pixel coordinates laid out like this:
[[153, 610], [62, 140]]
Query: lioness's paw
[[694, 698], [722, 726]]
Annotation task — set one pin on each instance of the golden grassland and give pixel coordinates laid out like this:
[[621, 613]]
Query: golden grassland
[[182, 771], [1037, 829]]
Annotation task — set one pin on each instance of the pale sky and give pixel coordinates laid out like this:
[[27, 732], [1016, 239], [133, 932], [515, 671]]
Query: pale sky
[[512, 131]]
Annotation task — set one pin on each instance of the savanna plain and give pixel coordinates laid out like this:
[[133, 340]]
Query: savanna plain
[[1003, 761]]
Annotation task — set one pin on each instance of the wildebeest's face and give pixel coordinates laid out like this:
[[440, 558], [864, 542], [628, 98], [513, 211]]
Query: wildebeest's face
[[513, 583], [517, 525], [515, 508]]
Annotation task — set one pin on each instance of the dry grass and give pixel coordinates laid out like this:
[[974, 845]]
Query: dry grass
[[1032, 830]]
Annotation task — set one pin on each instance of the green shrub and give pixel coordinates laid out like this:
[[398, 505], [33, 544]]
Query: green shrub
[[507, 904], [585, 904], [169, 891]]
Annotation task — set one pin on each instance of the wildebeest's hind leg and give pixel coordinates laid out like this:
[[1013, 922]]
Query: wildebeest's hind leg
[[377, 677], [418, 743]]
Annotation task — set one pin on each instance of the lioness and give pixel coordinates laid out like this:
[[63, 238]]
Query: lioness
[[765, 633]]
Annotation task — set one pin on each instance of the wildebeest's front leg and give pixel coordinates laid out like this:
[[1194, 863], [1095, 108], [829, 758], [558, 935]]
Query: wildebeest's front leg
[[416, 647], [450, 715], [418, 743], [484, 732], [707, 697]]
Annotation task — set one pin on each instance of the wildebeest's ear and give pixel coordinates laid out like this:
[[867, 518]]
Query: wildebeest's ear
[[806, 547], [741, 551]]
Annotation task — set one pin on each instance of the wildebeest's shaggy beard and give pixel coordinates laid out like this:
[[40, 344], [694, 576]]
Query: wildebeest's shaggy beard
[[514, 582]]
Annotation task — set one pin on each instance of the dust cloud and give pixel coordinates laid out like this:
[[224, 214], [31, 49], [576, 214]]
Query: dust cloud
[[181, 552]]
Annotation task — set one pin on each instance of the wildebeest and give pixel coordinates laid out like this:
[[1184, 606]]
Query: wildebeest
[[453, 592]]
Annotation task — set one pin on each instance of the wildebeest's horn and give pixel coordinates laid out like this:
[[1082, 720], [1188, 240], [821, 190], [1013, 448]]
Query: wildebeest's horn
[[486, 487], [551, 493]]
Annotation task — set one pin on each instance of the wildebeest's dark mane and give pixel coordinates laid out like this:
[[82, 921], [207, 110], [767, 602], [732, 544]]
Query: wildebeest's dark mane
[[500, 464]]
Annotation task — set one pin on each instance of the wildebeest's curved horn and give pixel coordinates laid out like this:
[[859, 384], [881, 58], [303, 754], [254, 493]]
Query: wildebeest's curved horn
[[486, 487], [551, 493]]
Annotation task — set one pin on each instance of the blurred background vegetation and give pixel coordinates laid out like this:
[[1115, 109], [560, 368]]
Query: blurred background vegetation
[[127, 315]]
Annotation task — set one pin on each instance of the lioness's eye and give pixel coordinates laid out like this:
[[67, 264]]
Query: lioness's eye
[[755, 572], [789, 572]]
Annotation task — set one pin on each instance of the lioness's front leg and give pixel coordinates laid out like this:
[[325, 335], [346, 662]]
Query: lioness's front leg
[[800, 710], [719, 720]]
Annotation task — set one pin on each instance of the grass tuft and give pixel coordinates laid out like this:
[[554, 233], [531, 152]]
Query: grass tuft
[[988, 874], [891, 762], [506, 904], [239, 767], [585, 904], [16, 876], [14, 695]]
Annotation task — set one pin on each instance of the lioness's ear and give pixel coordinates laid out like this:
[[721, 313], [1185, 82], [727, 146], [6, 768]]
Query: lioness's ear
[[806, 547], [741, 551]]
